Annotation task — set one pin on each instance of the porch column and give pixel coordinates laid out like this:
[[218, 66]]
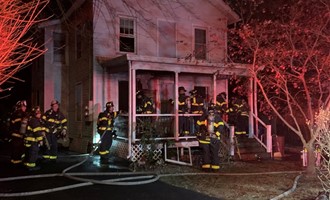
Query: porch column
[[176, 106], [214, 87], [132, 108]]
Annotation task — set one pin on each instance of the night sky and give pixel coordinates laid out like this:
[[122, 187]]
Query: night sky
[[20, 91]]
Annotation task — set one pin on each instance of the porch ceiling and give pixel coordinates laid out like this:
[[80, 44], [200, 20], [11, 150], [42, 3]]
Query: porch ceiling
[[122, 64]]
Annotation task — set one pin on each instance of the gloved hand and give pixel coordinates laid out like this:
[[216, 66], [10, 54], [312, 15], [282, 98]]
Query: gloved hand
[[63, 133], [114, 134], [100, 132]]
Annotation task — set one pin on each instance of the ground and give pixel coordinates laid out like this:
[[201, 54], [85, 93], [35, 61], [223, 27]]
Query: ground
[[237, 180]]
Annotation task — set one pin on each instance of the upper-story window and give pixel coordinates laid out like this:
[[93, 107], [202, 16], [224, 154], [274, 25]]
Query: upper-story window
[[200, 44], [127, 35], [166, 39], [59, 47], [78, 42]]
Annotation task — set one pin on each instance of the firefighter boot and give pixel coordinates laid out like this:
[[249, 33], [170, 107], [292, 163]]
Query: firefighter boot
[[104, 161], [36, 168]]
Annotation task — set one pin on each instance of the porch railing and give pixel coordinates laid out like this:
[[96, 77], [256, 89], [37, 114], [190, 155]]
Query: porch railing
[[264, 139]]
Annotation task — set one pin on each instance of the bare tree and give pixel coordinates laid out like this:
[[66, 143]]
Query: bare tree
[[289, 56], [322, 152], [17, 48]]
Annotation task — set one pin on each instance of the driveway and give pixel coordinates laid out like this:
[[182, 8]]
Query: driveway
[[50, 183]]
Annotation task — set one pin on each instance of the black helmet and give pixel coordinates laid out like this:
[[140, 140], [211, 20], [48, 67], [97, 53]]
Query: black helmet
[[54, 102], [193, 92], [109, 104], [36, 110], [182, 88], [222, 94], [139, 92], [211, 107], [21, 103]]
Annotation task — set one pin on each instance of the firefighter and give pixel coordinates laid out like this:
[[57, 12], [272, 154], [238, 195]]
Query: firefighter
[[233, 111], [18, 124], [34, 138], [56, 127], [242, 126], [105, 127], [221, 103], [197, 107], [144, 104], [184, 108], [209, 127]]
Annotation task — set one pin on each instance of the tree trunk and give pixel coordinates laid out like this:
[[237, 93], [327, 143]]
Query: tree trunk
[[311, 170]]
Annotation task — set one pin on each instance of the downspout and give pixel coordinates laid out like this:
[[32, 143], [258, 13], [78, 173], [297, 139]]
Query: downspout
[[129, 134]]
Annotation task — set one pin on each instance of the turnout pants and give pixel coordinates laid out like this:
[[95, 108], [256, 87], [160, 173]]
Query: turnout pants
[[184, 125], [210, 154], [17, 149], [242, 126], [106, 142], [31, 154], [52, 152]]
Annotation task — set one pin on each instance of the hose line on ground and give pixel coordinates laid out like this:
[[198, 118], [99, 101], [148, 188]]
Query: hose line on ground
[[146, 178], [286, 193], [143, 178]]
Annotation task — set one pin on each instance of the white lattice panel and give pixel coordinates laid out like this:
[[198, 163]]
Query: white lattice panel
[[138, 152], [120, 149]]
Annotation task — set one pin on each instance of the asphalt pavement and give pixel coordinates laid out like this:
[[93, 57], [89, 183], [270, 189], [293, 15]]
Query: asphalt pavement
[[76, 176]]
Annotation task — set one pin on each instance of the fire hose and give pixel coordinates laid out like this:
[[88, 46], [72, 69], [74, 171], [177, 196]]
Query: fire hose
[[135, 178], [144, 177]]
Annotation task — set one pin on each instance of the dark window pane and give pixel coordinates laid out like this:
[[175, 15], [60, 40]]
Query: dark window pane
[[126, 44], [127, 37], [59, 47], [200, 44]]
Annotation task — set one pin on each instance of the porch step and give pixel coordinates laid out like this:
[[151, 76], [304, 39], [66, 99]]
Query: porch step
[[250, 149]]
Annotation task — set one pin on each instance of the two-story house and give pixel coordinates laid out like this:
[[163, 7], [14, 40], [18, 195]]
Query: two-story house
[[104, 51]]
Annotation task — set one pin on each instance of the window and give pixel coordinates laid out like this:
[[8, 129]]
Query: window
[[78, 42], [166, 39], [200, 44], [59, 47], [127, 35], [78, 101]]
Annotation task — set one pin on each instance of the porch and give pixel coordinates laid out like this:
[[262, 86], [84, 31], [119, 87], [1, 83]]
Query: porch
[[160, 79]]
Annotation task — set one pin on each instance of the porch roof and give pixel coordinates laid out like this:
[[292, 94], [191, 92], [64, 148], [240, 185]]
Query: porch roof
[[180, 65]]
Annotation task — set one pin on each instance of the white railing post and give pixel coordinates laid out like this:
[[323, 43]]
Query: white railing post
[[231, 138], [269, 139]]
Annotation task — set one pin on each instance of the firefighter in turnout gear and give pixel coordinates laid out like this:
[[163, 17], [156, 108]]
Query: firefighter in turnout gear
[[184, 108], [105, 127], [221, 104], [209, 128], [242, 126], [233, 111], [144, 104], [18, 125], [56, 127], [34, 138], [197, 107]]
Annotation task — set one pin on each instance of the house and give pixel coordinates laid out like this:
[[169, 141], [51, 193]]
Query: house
[[104, 51]]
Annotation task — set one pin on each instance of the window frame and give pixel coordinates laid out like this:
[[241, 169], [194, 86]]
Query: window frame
[[61, 49], [78, 41], [205, 44], [78, 109], [133, 36]]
